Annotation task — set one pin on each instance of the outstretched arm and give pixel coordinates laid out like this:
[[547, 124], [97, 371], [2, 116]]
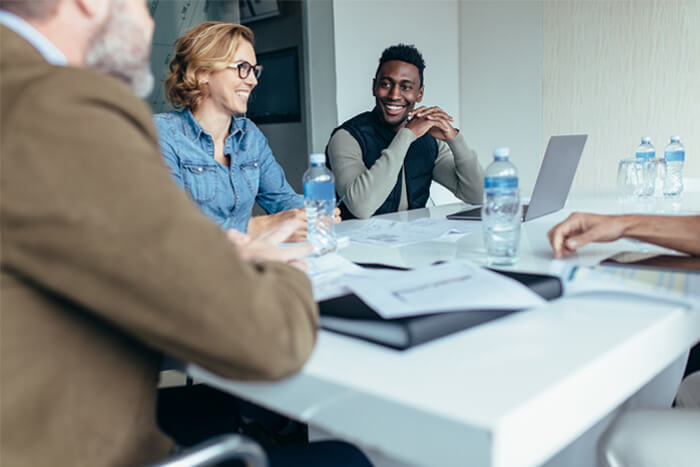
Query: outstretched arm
[[105, 228], [680, 233]]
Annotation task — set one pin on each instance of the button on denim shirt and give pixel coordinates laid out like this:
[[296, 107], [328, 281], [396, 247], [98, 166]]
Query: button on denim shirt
[[225, 194]]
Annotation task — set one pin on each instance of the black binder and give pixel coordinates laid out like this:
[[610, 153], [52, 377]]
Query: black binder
[[351, 316]]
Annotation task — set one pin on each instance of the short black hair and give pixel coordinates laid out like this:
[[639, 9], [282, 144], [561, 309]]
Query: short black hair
[[405, 53]]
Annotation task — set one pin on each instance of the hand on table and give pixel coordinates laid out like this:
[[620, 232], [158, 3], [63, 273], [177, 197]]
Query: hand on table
[[258, 225], [431, 120], [261, 224], [264, 247], [580, 229]]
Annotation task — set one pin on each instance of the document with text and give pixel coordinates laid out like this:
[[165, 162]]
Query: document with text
[[670, 285], [454, 286], [329, 275], [396, 233]]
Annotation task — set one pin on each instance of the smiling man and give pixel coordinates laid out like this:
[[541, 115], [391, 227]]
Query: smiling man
[[384, 160]]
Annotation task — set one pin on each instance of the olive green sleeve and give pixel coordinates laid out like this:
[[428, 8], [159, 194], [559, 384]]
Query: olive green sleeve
[[365, 189], [457, 168]]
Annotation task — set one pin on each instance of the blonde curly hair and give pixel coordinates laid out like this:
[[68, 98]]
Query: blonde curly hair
[[207, 47]]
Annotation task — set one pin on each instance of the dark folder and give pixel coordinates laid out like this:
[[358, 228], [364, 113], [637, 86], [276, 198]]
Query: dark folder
[[351, 316]]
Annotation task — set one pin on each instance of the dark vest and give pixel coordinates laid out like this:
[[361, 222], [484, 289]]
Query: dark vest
[[373, 137]]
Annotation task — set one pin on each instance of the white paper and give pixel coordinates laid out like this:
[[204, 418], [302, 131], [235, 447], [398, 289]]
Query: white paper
[[396, 233], [454, 286], [330, 272], [671, 285]]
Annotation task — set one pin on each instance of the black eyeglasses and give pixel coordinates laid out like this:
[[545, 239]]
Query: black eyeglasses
[[244, 69]]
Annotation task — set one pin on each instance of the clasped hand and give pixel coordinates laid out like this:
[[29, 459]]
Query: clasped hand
[[431, 120]]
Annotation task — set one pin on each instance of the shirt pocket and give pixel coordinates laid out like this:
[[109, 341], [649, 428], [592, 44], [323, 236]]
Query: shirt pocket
[[200, 180], [251, 174]]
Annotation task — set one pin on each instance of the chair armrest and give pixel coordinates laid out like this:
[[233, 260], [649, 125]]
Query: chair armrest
[[218, 449]]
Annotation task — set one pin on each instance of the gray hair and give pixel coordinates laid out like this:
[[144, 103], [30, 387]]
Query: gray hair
[[31, 9]]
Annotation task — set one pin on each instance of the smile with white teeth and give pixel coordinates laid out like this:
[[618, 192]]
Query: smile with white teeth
[[243, 94], [394, 107]]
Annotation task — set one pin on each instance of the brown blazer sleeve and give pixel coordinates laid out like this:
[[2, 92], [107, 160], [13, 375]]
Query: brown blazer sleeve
[[91, 215]]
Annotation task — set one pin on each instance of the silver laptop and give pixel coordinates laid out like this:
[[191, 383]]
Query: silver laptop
[[553, 182]]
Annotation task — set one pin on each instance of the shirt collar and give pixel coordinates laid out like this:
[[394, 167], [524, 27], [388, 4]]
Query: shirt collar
[[51, 53], [197, 129]]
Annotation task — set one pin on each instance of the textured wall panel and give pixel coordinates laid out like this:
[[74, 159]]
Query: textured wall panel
[[619, 70]]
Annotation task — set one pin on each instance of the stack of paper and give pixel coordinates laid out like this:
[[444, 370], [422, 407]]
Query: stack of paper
[[455, 286]]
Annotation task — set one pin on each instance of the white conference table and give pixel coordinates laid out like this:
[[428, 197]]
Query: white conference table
[[534, 388]]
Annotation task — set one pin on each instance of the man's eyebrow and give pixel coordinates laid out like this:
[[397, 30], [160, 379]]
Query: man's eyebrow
[[403, 81]]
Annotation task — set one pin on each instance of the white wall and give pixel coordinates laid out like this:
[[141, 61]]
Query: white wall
[[363, 29], [500, 78]]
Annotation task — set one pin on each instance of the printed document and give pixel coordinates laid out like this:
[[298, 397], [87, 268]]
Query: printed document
[[454, 286], [396, 233], [330, 272], [665, 284]]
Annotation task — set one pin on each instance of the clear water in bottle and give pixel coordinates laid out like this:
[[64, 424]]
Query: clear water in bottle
[[319, 201], [646, 158], [500, 212], [675, 158]]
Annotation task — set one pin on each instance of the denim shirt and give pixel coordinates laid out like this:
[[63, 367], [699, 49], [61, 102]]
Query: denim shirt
[[225, 194]]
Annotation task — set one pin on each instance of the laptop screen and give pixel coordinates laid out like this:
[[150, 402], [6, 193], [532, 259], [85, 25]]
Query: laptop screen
[[556, 174]]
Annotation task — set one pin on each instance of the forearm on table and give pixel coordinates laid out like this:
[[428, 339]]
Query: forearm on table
[[366, 189], [258, 225], [457, 168], [681, 233]]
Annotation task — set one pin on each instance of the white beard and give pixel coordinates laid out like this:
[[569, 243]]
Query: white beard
[[122, 49]]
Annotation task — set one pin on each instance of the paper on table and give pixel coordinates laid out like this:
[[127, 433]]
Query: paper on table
[[396, 233], [455, 286], [671, 285], [329, 272]]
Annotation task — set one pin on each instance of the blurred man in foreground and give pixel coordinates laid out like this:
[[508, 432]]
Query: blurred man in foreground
[[106, 264]]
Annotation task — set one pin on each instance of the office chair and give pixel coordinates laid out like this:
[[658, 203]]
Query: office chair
[[218, 449]]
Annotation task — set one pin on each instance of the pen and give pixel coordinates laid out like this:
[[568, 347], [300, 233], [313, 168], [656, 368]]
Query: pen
[[340, 201]]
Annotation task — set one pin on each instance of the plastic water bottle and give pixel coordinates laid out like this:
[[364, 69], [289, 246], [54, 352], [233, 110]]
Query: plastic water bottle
[[646, 158], [319, 200], [500, 212], [675, 158]]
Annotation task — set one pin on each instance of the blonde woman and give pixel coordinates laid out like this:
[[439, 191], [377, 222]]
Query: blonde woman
[[219, 157]]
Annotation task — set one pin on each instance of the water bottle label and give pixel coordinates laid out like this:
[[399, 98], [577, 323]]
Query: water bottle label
[[319, 190], [674, 156], [645, 156], [500, 182]]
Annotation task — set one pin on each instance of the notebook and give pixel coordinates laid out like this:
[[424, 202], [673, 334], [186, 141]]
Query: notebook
[[553, 181], [350, 316]]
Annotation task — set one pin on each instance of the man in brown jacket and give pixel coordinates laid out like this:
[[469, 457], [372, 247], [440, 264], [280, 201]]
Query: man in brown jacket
[[106, 264]]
